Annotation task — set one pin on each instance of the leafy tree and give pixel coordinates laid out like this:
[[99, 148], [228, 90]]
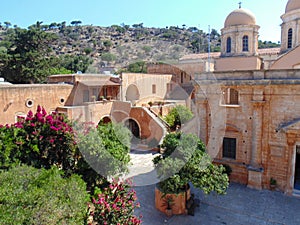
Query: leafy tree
[[178, 116], [75, 63], [118, 28], [7, 24], [28, 57], [34, 196], [87, 51], [107, 44], [62, 70], [105, 152], [184, 161], [109, 57], [76, 22], [267, 44], [137, 67], [147, 48], [139, 25]]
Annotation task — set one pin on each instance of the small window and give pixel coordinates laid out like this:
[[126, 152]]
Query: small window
[[95, 92], [228, 45], [61, 100], [231, 96], [29, 103], [290, 38], [229, 148], [181, 80], [245, 44], [153, 89], [20, 116]]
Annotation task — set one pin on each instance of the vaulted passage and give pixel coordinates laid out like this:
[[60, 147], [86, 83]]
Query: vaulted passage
[[133, 127]]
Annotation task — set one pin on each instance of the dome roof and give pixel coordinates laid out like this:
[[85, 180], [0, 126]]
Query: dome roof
[[292, 5], [240, 17]]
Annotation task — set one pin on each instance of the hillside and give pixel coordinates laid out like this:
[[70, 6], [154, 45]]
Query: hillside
[[118, 46]]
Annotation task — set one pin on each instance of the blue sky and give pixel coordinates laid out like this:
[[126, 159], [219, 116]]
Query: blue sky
[[155, 13]]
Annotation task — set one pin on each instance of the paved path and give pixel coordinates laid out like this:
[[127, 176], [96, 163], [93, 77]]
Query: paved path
[[239, 206]]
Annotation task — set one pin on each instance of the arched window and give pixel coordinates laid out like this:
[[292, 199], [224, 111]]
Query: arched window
[[290, 38], [245, 44], [228, 45], [231, 96]]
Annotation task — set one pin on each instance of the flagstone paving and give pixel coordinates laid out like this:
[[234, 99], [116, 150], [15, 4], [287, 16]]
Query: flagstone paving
[[240, 205]]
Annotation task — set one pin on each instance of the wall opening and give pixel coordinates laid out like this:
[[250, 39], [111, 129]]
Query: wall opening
[[297, 169], [105, 120], [133, 127], [132, 93]]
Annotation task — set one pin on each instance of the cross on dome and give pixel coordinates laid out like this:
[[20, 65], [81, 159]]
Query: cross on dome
[[240, 5]]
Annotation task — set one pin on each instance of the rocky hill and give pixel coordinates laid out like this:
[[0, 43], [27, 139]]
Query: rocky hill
[[119, 45]]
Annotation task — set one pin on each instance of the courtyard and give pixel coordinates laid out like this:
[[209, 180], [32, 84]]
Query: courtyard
[[240, 205]]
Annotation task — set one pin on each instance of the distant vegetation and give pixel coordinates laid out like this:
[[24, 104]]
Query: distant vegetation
[[267, 44], [30, 55]]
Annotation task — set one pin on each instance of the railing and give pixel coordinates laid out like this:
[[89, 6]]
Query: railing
[[160, 119]]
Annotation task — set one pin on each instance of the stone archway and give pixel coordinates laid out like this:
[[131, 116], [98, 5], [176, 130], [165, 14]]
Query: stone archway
[[132, 93], [105, 120], [133, 126]]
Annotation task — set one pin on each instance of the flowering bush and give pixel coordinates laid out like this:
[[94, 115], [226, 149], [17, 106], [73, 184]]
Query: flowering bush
[[115, 205], [41, 140]]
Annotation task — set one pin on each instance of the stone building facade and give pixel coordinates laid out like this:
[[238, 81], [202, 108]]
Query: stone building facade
[[92, 98], [248, 106], [246, 100]]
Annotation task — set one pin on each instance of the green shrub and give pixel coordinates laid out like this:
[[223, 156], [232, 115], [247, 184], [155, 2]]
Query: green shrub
[[178, 116], [38, 196], [185, 161]]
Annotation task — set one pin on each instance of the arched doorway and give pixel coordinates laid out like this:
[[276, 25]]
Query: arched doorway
[[133, 127], [105, 120], [132, 93]]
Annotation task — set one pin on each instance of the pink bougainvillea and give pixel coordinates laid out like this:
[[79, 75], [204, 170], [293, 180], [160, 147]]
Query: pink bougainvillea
[[115, 205]]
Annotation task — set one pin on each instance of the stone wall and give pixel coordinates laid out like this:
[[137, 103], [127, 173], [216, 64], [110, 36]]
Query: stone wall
[[265, 116], [17, 100]]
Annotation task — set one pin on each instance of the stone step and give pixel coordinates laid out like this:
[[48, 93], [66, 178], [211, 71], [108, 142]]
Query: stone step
[[296, 193]]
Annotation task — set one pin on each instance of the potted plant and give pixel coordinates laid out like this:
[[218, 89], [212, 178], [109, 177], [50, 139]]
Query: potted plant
[[273, 183], [185, 162], [168, 201]]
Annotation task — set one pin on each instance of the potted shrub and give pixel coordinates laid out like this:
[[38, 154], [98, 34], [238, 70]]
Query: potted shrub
[[185, 162]]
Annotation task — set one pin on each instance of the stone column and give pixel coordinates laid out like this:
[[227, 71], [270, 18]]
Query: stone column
[[291, 141], [201, 103], [255, 169]]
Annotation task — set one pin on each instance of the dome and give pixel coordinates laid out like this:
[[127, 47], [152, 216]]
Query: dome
[[240, 17], [292, 5]]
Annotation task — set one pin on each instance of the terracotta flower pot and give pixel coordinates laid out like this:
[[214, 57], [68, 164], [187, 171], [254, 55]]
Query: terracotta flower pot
[[179, 201]]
